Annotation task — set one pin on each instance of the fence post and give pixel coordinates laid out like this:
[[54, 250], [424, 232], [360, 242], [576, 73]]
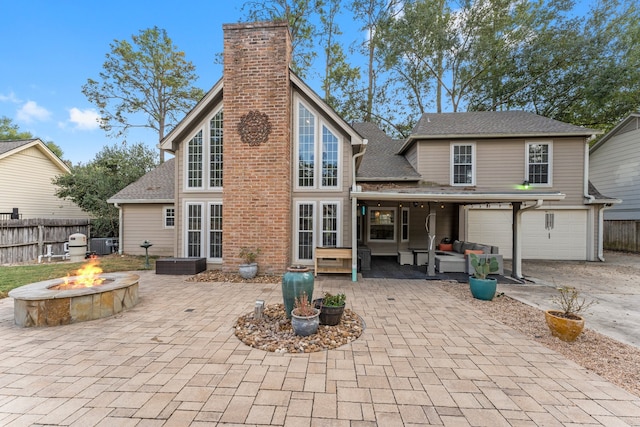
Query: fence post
[[40, 239]]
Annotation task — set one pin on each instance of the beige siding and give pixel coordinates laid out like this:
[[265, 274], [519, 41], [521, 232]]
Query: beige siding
[[146, 222], [412, 156], [26, 184], [500, 165]]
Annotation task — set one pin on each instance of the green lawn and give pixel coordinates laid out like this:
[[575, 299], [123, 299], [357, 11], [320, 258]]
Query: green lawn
[[13, 277]]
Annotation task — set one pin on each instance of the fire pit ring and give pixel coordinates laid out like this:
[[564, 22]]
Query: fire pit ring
[[38, 305]]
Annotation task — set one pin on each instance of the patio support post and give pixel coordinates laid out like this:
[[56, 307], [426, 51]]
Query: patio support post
[[354, 239], [516, 261], [431, 225]]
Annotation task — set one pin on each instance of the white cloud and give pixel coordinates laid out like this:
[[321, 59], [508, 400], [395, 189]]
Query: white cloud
[[11, 97], [84, 119], [31, 112]]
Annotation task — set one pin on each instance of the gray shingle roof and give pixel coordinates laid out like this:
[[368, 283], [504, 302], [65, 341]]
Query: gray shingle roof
[[155, 186], [381, 161], [6, 146], [494, 123]]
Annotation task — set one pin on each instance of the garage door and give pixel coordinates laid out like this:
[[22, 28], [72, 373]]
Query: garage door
[[561, 234], [491, 227], [546, 234]]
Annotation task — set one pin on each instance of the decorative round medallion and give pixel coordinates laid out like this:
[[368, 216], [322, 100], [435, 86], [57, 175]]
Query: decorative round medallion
[[254, 128]]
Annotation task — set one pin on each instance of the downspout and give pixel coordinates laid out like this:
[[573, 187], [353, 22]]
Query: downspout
[[517, 245], [120, 226], [601, 232], [354, 213]]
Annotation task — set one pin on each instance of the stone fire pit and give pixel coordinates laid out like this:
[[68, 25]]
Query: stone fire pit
[[39, 305]]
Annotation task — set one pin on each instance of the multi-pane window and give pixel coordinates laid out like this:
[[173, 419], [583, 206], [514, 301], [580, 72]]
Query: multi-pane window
[[462, 164], [204, 161], [329, 224], [169, 217], [405, 225], [330, 148], [315, 140], [194, 161], [382, 224], [538, 163], [194, 230], [305, 231], [306, 147], [215, 230], [215, 150]]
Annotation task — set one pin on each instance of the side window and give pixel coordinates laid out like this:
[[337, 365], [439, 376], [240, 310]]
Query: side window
[[169, 217], [462, 164], [195, 155], [538, 163]]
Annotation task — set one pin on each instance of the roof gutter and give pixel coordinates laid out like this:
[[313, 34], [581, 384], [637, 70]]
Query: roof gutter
[[457, 197]]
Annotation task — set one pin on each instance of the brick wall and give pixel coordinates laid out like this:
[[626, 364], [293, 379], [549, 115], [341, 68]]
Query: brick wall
[[257, 179]]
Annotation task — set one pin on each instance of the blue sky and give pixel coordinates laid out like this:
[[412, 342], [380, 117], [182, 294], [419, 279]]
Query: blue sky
[[49, 48]]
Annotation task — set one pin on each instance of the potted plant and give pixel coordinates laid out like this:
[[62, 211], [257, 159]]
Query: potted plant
[[249, 269], [566, 323], [331, 308], [304, 316], [481, 286]]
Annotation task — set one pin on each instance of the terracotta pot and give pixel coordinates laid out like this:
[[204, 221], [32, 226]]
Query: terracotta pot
[[565, 329]]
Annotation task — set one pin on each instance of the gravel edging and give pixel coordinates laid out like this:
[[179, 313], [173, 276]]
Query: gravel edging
[[614, 361]]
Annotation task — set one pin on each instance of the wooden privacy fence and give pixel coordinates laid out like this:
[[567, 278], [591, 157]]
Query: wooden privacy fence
[[622, 235], [22, 240]]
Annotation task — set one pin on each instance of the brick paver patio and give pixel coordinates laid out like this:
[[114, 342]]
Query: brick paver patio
[[425, 358]]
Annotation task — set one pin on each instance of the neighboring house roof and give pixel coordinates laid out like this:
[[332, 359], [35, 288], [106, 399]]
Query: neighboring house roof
[[630, 123], [599, 197], [491, 124], [156, 186], [381, 161], [11, 147]]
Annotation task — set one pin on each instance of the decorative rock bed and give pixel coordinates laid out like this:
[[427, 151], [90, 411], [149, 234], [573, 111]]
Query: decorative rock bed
[[274, 332]]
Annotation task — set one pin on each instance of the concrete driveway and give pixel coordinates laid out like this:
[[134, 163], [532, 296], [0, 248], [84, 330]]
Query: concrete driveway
[[614, 284]]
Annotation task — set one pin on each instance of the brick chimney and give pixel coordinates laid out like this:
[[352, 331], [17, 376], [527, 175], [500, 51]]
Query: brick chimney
[[257, 144]]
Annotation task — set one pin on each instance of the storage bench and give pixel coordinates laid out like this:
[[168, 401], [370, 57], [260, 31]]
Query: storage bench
[[191, 265], [332, 260]]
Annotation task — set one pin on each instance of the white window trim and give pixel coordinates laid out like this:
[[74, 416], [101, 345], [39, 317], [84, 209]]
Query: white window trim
[[526, 162], [164, 217], [408, 211], [206, 156], [395, 223], [205, 230], [317, 224], [473, 163], [296, 217], [208, 231], [185, 230], [317, 167], [338, 203]]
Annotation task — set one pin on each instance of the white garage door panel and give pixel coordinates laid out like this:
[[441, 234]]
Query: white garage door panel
[[491, 227], [567, 239]]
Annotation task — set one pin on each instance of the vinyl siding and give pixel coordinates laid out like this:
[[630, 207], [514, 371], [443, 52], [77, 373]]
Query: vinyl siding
[[613, 169], [500, 165], [146, 222], [26, 184]]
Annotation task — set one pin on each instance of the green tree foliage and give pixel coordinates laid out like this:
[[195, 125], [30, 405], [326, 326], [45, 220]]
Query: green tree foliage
[[10, 131], [150, 76], [340, 78], [90, 185], [297, 13]]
